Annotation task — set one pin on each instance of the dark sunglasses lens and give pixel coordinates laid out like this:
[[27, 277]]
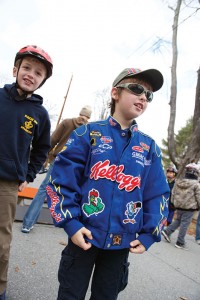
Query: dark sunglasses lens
[[139, 90], [136, 89], [149, 96]]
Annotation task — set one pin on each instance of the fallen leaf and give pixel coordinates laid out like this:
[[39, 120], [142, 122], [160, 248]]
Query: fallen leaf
[[17, 269]]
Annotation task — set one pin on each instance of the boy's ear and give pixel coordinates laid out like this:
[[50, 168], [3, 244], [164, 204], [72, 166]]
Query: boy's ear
[[15, 69], [114, 93]]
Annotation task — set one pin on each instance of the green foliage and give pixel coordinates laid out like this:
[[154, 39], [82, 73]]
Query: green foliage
[[182, 140]]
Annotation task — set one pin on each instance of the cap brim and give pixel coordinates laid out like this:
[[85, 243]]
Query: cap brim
[[154, 77]]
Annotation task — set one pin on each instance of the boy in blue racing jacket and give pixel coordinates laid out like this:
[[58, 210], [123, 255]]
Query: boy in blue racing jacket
[[109, 192]]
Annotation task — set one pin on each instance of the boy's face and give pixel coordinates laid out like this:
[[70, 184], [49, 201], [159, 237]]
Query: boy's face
[[129, 106], [170, 175], [31, 74]]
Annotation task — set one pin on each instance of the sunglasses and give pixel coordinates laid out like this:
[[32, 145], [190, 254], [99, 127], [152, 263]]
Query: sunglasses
[[137, 89]]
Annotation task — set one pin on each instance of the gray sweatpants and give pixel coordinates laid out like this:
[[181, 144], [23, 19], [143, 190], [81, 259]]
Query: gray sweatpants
[[183, 220]]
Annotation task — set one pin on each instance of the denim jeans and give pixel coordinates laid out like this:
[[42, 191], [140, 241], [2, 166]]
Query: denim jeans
[[183, 219], [198, 228], [35, 207]]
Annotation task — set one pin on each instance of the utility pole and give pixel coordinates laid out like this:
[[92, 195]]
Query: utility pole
[[65, 98]]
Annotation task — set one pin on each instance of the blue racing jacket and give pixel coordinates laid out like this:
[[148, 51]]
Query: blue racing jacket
[[112, 182]]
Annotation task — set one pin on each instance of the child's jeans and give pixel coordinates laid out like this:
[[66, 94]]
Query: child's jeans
[[109, 278], [198, 228], [35, 207]]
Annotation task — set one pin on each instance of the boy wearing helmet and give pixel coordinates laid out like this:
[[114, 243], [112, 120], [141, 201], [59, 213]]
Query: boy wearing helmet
[[24, 125], [114, 197], [186, 199]]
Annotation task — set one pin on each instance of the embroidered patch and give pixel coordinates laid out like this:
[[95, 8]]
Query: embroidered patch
[[94, 205], [115, 173], [138, 149], [145, 146], [117, 240], [106, 139], [132, 209], [112, 122], [93, 142], [95, 133], [28, 125]]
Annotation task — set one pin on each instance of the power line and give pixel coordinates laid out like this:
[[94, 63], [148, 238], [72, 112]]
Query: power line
[[165, 36]]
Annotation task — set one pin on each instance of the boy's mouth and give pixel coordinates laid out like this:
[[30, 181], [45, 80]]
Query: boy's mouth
[[27, 81], [139, 105]]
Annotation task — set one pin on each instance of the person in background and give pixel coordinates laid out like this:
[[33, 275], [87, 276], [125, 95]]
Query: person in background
[[24, 137], [58, 141], [109, 192], [197, 236], [186, 200], [171, 173]]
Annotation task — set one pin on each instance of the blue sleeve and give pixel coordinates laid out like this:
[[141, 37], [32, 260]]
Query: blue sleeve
[[155, 202], [64, 188]]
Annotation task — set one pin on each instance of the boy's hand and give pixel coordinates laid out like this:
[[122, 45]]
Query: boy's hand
[[79, 240], [137, 247], [22, 186]]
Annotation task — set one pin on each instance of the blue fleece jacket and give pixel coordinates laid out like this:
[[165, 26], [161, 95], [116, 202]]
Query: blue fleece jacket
[[112, 182]]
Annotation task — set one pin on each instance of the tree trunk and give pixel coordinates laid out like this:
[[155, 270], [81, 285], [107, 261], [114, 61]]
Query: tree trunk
[[172, 103], [193, 152]]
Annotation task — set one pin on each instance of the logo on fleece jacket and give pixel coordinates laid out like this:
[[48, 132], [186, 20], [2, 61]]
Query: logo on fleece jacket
[[28, 124]]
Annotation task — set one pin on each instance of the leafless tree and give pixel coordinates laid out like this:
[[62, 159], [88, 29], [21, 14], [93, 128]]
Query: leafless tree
[[101, 108], [172, 103], [193, 151]]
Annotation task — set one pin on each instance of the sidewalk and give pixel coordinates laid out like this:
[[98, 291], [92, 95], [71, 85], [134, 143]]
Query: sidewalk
[[162, 273]]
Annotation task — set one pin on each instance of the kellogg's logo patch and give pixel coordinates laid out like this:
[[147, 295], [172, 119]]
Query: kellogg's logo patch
[[104, 170]]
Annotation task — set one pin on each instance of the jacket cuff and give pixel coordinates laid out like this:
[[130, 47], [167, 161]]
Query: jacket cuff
[[72, 226], [148, 239]]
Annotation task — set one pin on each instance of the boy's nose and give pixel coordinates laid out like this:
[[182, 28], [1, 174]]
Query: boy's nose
[[143, 97], [30, 74]]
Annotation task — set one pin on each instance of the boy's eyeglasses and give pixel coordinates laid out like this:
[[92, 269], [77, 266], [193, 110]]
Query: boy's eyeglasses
[[137, 89]]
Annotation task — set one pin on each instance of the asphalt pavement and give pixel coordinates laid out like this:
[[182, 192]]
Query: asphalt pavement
[[162, 273]]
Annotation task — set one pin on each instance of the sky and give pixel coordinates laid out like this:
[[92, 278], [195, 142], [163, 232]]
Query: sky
[[92, 41]]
